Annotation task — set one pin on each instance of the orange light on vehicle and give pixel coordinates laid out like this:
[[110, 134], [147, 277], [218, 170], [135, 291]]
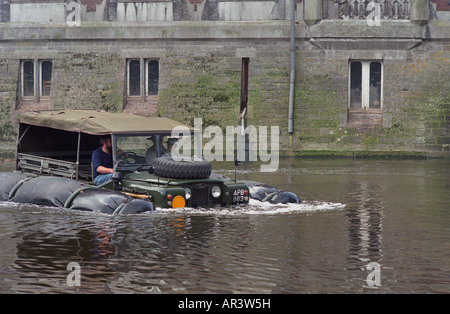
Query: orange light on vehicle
[[178, 201]]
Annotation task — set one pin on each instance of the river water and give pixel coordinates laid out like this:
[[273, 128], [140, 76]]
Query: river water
[[394, 213]]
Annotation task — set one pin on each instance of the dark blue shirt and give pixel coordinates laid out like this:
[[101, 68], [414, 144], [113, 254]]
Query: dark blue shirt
[[100, 158]]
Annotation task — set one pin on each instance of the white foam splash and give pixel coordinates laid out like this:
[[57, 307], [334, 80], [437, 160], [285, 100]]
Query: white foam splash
[[253, 208], [257, 208]]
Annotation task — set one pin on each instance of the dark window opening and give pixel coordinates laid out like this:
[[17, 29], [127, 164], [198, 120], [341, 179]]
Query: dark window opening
[[365, 94], [46, 75], [134, 78], [153, 77], [375, 85], [355, 85], [28, 78]]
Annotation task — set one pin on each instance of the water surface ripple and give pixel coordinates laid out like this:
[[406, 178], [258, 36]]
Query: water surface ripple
[[392, 212]]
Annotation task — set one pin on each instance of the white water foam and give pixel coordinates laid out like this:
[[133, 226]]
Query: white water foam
[[256, 207]]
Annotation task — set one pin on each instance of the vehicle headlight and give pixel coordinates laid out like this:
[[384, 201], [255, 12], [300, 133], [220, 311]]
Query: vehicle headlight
[[188, 193], [216, 191]]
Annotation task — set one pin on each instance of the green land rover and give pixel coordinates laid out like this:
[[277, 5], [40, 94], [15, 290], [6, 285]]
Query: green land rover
[[59, 143]]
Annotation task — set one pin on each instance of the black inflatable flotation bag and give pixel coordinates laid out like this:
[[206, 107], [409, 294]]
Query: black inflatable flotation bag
[[266, 193], [260, 192], [63, 192], [136, 206], [283, 197], [98, 200], [46, 191], [108, 202], [8, 181]]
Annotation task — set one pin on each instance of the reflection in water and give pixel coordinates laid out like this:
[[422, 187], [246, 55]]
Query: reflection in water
[[395, 214], [365, 224], [44, 248]]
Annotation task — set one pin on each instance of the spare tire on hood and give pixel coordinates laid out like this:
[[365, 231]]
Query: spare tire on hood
[[186, 169]]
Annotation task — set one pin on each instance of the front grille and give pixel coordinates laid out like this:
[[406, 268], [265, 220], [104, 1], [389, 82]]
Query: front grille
[[200, 195]]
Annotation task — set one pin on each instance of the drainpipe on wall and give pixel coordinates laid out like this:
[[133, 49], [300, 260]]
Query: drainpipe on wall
[[292, 79]]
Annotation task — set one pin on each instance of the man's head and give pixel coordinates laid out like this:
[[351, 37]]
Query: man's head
[[105, 141], [171, 141]]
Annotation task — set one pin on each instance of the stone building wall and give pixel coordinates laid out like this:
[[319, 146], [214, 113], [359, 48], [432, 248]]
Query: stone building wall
[[200, 71]]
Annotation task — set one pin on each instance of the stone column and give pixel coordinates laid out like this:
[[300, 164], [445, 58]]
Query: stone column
[[312, 11], [5, 10], [211, 11], [111, 10], [420, 11], [177, 10]]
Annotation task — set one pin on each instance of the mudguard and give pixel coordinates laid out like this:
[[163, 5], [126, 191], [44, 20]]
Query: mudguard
[[8, 181]]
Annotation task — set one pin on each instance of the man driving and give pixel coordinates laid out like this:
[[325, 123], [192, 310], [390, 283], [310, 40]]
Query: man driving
[[152, 153], [102, 161]]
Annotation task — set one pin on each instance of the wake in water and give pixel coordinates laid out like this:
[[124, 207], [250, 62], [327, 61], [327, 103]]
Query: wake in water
[[256, 207]]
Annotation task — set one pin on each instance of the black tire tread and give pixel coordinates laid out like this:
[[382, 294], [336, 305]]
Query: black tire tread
[[166, 167]]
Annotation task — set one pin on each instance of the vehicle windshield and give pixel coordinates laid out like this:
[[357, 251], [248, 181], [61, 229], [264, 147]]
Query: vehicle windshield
[[139, 151]]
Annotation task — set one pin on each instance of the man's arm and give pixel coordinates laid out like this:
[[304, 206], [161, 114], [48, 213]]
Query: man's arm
[[101, 169], [97, 164]]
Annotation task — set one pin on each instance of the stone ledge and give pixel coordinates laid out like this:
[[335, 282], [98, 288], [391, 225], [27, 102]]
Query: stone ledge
[[205, 30], [360, 29], [374, 44], [365, 154], [150, 30]]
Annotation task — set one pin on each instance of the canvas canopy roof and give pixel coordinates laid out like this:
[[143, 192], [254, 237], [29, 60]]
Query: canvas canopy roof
[[99, 122]]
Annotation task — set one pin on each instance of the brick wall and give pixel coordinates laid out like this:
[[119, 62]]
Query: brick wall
[[416, 107], [8, 88], [442, 5]]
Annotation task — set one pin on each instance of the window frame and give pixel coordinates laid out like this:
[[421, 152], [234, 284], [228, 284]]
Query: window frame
[[147, 85], [37, 80], [22, 80], [365, 86], [128, 70], [144, 76], [41, 80]]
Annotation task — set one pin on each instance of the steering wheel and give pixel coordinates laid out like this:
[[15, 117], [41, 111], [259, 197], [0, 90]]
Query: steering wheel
[[126, 156]]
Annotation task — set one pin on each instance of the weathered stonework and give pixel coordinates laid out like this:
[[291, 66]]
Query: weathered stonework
[[200, 76]]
